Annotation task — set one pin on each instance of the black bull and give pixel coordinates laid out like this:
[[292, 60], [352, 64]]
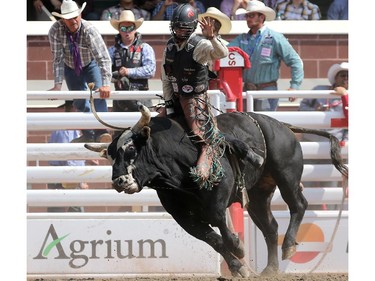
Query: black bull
[[157, 153]]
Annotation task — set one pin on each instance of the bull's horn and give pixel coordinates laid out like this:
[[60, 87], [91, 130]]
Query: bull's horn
[[96, 147], [145, 118]]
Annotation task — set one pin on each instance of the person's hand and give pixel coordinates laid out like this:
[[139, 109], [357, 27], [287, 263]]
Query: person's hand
[[292, 99], [84, 185], [168, 2], [123, 71], [339, 91], [57, 87], [38, 4], [207, 27], [104, 91]]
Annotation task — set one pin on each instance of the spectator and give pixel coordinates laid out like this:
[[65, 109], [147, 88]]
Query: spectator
[[115, 11], [37, 13], [148, 5], [90, 12], [133, 61], [266, 49], [66, 136], [339, 81], [229, 7], [164, 9], [80, 55], [338, 76], [297, 10], [270, 3], [338, 10]]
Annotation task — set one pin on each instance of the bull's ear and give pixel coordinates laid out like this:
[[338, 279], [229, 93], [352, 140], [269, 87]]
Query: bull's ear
[[103, 153], [146, 132]]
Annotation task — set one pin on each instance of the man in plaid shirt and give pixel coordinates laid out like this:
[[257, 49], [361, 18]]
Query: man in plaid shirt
[[80, 55]]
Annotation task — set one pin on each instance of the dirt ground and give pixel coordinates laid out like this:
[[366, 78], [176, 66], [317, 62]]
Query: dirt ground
[[280, 277]]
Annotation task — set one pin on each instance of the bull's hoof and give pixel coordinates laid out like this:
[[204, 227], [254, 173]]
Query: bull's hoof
[[241, 272], [270, 271], [288, 253]]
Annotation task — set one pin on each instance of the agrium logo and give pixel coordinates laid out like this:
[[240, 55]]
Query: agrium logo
[[79, 252]]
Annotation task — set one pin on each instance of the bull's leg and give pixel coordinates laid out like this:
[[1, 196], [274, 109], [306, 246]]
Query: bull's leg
[[297, 203], [205, 233], [193, 224], [259, 209]]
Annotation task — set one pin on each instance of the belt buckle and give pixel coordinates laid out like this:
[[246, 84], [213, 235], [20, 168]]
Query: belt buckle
[[250, 86]]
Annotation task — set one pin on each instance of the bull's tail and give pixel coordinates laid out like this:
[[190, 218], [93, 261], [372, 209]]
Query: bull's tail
[[336, 158]]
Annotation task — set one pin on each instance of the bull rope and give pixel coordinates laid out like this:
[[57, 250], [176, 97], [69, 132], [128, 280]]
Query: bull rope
[[91, 87], [330, 243]]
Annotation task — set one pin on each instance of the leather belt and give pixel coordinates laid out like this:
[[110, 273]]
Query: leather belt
[[261, 86]]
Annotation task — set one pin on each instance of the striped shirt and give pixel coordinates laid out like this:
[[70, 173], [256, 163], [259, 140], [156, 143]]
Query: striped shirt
[[305, 11], [91, 47]]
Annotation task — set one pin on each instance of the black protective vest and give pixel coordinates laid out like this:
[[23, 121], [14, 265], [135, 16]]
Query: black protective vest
[[186, 75], [130, 58]]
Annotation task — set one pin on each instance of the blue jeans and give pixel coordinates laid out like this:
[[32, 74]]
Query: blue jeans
[[266, 104], [90, 73]]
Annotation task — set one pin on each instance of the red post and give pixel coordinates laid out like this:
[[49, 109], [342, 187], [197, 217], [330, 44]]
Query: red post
[[230, 82]]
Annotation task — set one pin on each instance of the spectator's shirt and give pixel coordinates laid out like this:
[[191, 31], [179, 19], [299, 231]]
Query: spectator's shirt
[[116, 10], [91, 47], [266, 50], [65, 136], [148, 65], [305, 11], [226, 8], [338, 10], [169, 10]]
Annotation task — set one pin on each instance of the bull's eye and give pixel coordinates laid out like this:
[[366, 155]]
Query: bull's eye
[[130, 151]]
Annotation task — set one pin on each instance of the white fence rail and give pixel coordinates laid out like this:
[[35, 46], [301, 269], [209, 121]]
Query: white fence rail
[[73, 151], [148, 197]]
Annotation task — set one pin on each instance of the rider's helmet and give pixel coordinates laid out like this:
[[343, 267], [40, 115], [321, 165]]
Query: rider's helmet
[[185, 19]]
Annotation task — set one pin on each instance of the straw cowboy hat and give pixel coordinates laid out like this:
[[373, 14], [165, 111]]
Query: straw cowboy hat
[[254, 6], [69, 10], [128, 16], [212, 12], [336, 68]]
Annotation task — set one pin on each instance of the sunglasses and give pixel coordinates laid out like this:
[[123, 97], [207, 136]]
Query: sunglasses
[[127, 29]]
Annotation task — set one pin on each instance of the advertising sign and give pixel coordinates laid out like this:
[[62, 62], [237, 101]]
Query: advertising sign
[[313, 238], [110, 246]]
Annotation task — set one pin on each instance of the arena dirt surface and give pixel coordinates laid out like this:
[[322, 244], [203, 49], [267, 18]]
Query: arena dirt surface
[[280, 277]]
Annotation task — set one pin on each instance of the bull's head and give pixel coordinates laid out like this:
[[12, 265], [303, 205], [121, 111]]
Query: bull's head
[[122, 154]]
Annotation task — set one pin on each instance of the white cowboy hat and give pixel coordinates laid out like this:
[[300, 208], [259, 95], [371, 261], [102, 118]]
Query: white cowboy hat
[[128, 16], [212, 12], [69, 10], [336, 68], [254, 6]]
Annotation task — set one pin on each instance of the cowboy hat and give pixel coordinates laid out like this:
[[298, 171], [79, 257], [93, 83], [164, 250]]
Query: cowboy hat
[[336, 68], [69, 10], [128, 16], [212, 12], [255, 6]]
